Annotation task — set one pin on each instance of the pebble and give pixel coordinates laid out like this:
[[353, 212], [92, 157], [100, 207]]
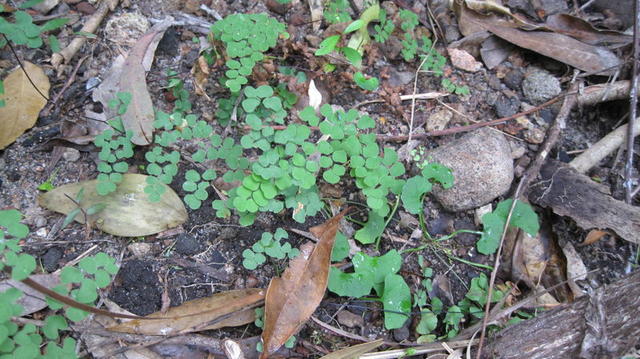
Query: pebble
[[482, 168], [139, 249], [187, 244], [463, 60], [402, 333], [513, 79], [71, 155], [40, 221], [506, 106], [539, 86], [439, 120], [51, 258], [42, 232], [349, 319]]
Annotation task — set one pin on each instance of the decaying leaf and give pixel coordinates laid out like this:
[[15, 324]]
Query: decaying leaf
[[200, 73], [354, 351], [584, 31], [22, 102], [593, 236], [563, 48], [127, 211], [129, 75], [291, 299], [225, 309]]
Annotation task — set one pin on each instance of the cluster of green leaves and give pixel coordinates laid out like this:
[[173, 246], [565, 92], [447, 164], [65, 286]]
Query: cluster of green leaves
[[26, 341], [380, 274], [416, 187], [246, 37], [384, 28], [336, 11], [24, 32], [369, 84], [115, 147], [452, 87], [176, 85], [270, 245], [523, 217], [330, 44]]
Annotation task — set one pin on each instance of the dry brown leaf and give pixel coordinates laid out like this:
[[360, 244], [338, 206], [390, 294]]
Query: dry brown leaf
[[589, 58], [200, 73], [22, 102], [593, 236], [291, 299], [584, 31], [232, 308]]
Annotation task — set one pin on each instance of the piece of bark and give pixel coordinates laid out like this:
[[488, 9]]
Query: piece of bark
[[604, 324], [575, 195]]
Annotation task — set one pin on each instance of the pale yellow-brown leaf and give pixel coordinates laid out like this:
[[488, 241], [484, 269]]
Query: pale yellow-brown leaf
[[22, 102], [225, 309], [127, 212]]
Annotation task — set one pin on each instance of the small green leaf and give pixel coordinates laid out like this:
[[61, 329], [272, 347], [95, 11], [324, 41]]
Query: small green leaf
[[372, 229], [356, 25], [396, 301], [327, 45]]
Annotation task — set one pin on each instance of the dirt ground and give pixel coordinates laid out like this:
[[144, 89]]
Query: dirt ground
[[204, 255]]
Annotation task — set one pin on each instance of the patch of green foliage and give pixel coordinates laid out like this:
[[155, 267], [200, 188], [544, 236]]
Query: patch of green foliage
[[523, 217], [80, 282], [380, 274], [369, 84], [336, 11], [269, 245], [246, 38], [115, 147], [384, 28]]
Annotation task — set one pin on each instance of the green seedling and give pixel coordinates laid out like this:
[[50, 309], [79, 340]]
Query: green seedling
[[370, 84], [48, 184], [450, 86], [378, 273], [337, 12], [416, 187], [246, 38], [115, 147], [523, 217], [384, 28], [24, 32], [95, 209], [270, 245]]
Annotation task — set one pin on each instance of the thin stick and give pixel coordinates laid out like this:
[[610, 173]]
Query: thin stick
[[22, 67], [450, 131], [413, 99], [628, 168]]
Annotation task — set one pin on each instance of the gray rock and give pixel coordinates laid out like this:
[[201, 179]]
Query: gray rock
[[506, 106], [482, 168], [187, 245], [513, 79], [540, 86]]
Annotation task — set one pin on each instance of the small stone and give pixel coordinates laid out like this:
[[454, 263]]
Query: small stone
[[40, 221], [534, 135], [506, 106], [139, 249], [349, 319], [85, 8], [187, 244], [402, 333], [42, 232], [540, 86], [463, 60], [482, 169], [481, 211], [517, 150], [400, 78], [71, 155], [439, 120], [513, 79], [251, 282], [51, 258]]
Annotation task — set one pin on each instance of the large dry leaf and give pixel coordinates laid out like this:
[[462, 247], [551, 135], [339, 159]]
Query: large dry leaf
[[354, 351], [292, 299], [127, 212], [225, 309], [589, 58], [584, 31], [129, 75], [23, 102]]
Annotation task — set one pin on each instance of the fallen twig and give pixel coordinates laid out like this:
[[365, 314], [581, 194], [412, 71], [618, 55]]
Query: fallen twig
[[628, 166]]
